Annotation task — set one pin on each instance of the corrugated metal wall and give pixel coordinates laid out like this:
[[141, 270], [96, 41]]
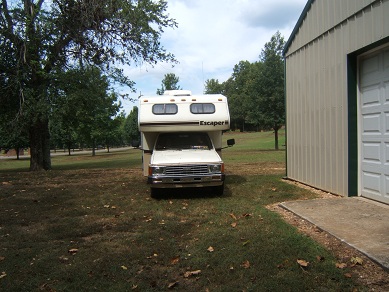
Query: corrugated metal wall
[[316, 87]]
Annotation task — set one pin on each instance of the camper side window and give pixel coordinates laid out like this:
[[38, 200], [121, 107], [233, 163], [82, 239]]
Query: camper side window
[[165, 109], [202, 108]]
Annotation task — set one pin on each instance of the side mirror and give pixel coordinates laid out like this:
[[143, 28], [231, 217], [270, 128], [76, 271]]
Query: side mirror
[[230, 142]]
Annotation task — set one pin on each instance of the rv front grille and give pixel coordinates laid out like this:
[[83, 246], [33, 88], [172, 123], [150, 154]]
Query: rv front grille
[[183, 170]]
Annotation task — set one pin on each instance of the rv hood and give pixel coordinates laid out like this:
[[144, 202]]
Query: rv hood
[[187, 156]]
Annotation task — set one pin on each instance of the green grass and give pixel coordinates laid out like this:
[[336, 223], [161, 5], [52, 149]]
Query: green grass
[[124, 240], [256, 146], [256, 140]]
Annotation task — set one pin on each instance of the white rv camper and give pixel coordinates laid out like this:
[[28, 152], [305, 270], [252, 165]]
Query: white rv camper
[[181, 139]]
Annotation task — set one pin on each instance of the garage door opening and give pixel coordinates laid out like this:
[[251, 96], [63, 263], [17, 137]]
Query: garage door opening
[[373, 125]]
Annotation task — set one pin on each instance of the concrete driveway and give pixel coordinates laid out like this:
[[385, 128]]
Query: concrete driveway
[[361, 223]]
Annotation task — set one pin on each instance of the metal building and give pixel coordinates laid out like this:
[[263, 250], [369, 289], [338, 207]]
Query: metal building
[[337, 97]]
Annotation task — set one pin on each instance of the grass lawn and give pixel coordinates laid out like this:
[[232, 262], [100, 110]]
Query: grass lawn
[[90, 225]]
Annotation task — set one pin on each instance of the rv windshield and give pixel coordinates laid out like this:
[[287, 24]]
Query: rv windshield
[[179, 141]]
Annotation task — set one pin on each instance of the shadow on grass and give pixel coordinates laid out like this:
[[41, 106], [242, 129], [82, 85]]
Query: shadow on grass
[[199, 192], [117, 159]]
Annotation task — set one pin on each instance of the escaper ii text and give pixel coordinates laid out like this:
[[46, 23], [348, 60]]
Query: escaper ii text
[[213, 123]]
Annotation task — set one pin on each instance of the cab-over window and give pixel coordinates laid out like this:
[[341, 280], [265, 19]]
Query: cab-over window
[[165, 109], [202, 108]]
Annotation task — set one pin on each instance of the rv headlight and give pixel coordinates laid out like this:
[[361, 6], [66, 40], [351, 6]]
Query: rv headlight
[[157, 170], [215, 168]]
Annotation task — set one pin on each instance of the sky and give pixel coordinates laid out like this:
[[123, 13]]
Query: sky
[[211, 38]]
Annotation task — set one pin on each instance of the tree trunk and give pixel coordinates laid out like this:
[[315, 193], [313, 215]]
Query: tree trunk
[[69, 145], [94, 148], [276, 138], [17, 153], [40, 146]]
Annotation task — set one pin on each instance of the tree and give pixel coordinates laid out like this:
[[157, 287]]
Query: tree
[[252, 89], [235, 88], [169, 82], [271, 105], [113, 136], [212, 86], [84, 107], [41, 37], [131, 130], [95, 106], [13, 137]]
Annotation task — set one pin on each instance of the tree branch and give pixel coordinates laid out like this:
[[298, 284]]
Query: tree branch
[[7, 17]]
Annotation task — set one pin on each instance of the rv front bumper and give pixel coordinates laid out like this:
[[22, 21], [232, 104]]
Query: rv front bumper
[[186, 181]]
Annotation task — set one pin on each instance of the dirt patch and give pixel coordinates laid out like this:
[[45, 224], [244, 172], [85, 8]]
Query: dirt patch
[[368, 273]]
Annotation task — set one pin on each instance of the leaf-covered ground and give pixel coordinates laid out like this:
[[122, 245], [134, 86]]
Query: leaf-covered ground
[[98, 229]]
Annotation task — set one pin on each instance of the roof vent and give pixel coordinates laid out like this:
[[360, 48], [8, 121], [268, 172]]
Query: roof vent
[[178, 92]]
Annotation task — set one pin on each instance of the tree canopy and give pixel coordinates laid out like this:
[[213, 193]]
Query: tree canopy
[[169, 82], [41, 38]]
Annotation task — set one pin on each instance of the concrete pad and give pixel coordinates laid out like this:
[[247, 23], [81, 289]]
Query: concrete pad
[[361, 223]]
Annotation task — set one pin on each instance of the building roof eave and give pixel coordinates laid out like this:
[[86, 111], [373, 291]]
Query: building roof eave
[[297, 26]]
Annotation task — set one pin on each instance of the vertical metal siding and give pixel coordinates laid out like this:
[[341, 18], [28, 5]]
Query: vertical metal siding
[[316, 87], [323, 16]]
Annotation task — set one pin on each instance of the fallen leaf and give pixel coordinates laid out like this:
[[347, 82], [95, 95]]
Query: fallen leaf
[[341, 265], [245, 265], [172, 285], [348, 275], [246, 215], [175, 260], [320, 258], [356, 261], [246, 243], [210, 249], [106, 206], [73, 250], [3, 274], [63, 259], [233, 225], [273, 189], [233, 216], [124, 267], [187, 274], [303, 263], [192, 273]]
